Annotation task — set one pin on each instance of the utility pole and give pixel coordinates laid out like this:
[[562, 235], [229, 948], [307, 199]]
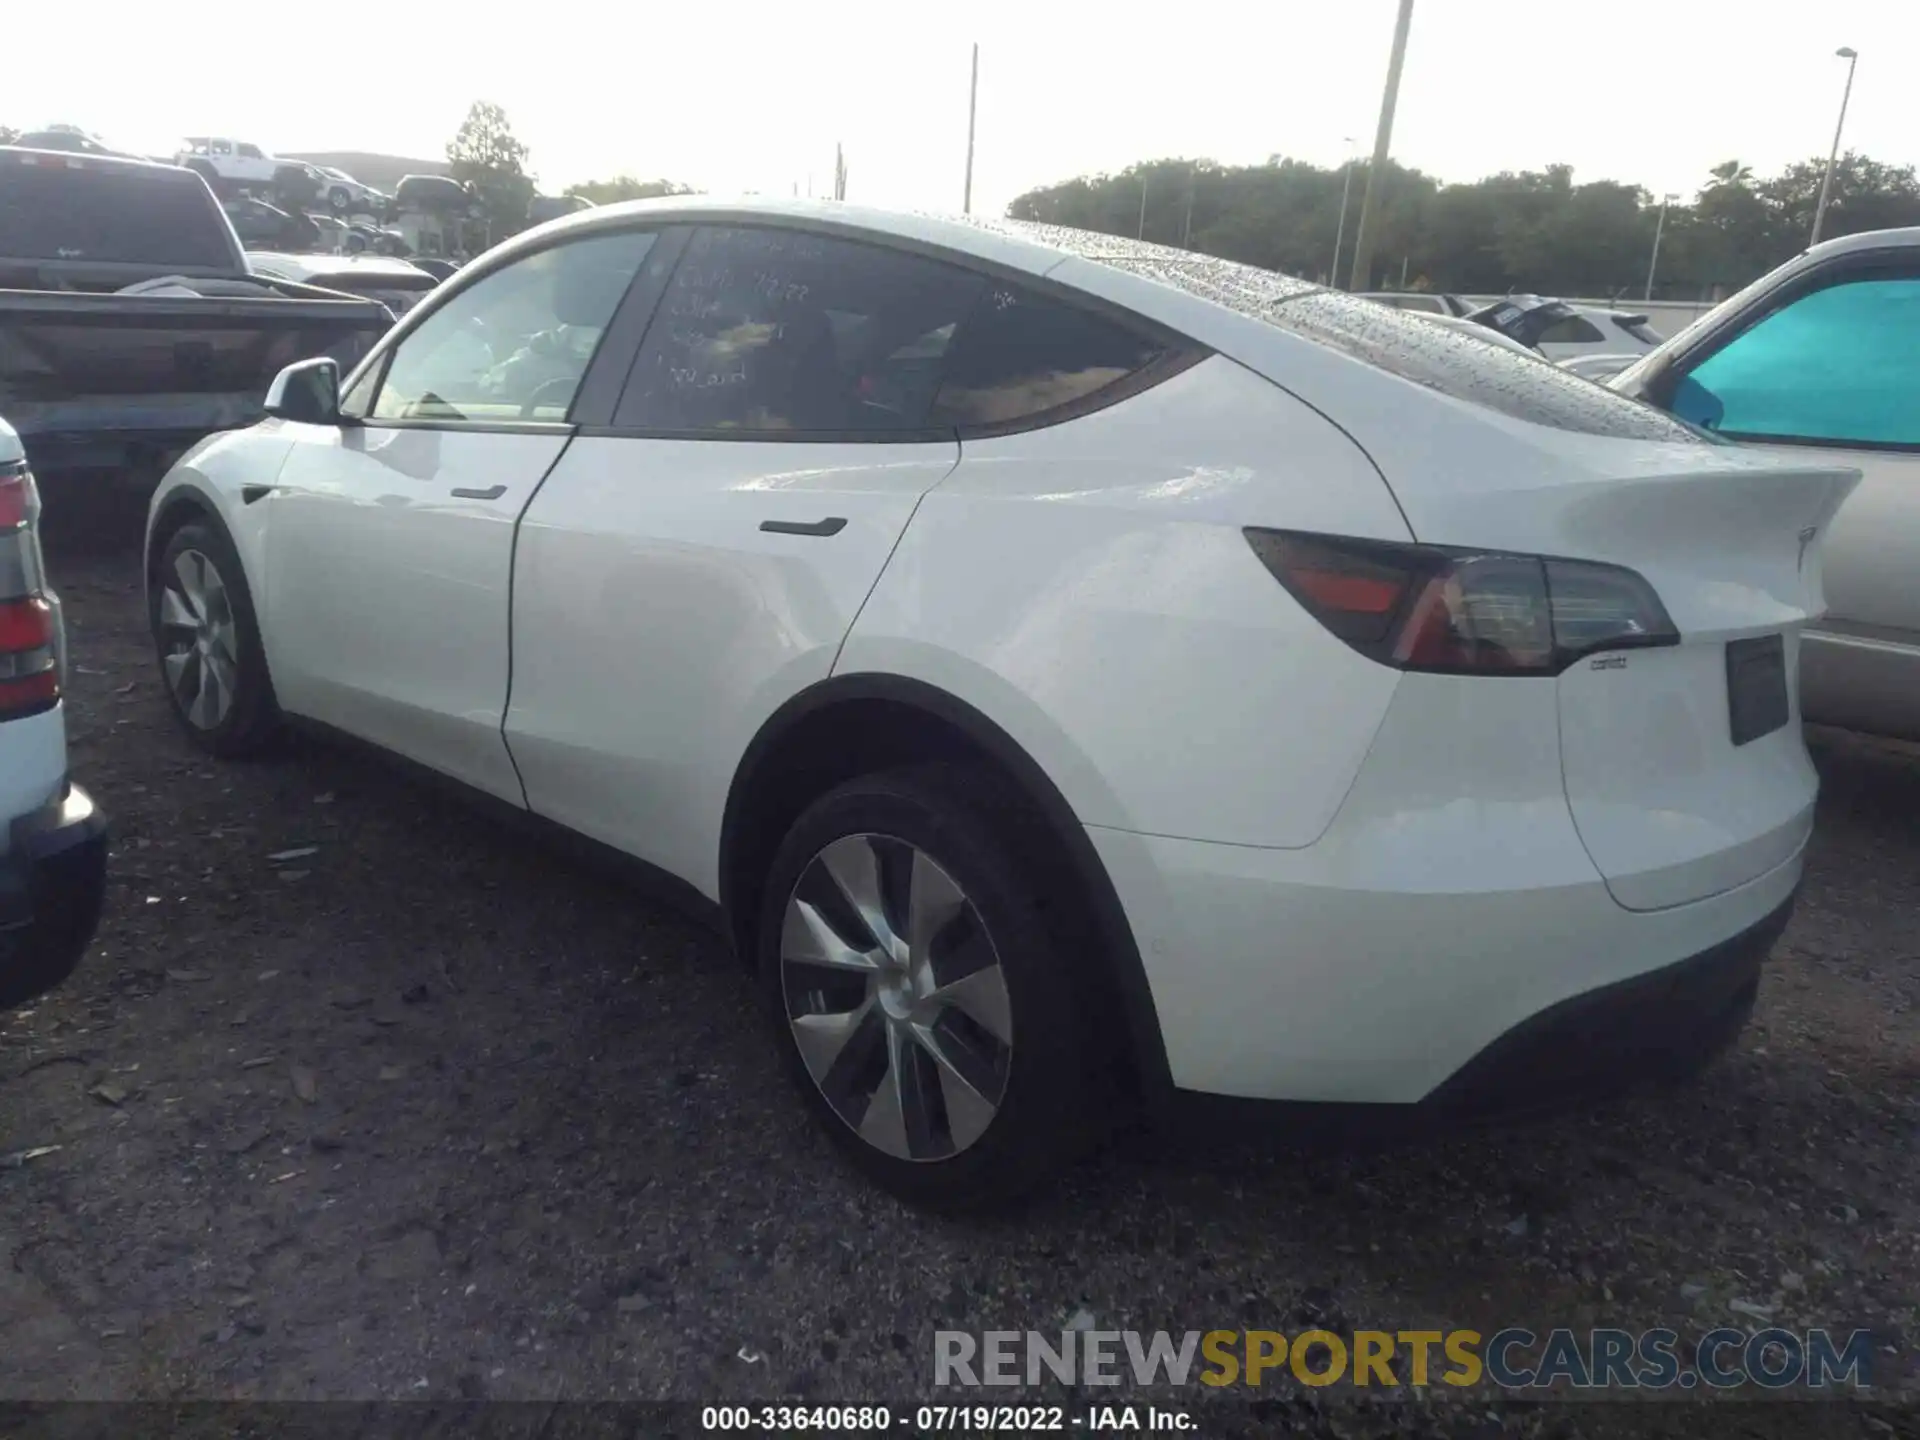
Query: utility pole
[[1382, 143], [839, 172], [1852, 57], [973, 106], [1141, 233], [1186, 226]]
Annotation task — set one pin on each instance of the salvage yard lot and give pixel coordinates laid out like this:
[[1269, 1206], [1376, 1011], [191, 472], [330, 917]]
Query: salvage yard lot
[[433, 1112]]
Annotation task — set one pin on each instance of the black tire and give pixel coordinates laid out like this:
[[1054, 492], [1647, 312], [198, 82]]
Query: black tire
[[251, 723], [965, 822], [339, 200]]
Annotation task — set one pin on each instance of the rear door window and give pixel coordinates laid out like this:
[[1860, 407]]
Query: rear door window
[[770, 332]]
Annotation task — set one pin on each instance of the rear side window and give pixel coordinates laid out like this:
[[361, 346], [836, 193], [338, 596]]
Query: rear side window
[[766, 331], [1021, 355], [106, 214], [1840, 365]]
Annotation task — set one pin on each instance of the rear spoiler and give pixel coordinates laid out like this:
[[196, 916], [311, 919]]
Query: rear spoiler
[[1625, 317]]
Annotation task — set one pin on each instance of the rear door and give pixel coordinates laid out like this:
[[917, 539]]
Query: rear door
[[1830, 369], [697, 559], [389, 541]]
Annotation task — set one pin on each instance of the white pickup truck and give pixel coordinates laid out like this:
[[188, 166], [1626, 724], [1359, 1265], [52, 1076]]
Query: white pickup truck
[[53, 841]]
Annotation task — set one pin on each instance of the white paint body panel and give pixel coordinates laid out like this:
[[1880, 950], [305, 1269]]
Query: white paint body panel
[[385, 605], [659, 627], [1097, 573]]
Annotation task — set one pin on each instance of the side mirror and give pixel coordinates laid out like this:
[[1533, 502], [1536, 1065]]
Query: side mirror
[[308, 392]]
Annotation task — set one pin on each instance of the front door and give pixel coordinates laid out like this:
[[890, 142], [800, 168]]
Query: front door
[[390, 537]]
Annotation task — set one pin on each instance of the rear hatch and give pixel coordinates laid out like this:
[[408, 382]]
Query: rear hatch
[[1683, 762]]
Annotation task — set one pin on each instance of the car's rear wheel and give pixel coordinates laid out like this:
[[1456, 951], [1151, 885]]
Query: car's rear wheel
[[928, 1015], [208, 642]]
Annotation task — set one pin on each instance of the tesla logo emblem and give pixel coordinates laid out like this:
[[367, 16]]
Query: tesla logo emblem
[[1807, 537]]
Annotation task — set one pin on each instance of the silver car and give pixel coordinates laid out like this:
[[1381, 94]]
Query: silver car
[[1824, 354]]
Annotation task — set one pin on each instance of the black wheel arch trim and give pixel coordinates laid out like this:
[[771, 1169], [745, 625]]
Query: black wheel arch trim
[[186, 496], [1141, 1017]]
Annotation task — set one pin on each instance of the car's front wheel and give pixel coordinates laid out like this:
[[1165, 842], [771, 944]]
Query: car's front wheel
[[928, 1015], [208, 642]]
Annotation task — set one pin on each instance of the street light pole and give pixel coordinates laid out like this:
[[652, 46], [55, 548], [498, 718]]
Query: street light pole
[[1340, 231], [1658, 226], [973, 103], [1141, 233], [1852, 57], [1382, 142]]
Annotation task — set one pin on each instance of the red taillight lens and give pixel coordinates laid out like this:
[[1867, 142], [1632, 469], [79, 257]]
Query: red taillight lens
[[29, 657], [1425, 607], [19, 503]]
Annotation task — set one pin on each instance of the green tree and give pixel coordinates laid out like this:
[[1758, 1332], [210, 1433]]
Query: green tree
[[488, 156], [626, 187], [8, 135]]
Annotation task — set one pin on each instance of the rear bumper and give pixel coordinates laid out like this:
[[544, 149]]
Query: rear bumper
[[52, 883], [1661, 1025]]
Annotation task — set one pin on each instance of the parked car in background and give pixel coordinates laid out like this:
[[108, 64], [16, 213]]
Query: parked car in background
[[53, 841], [114, 385], [70, 139], [1819, 362], [1600, 367], [1590, 331], [260, 225], [345, 195], [1419, 302], [397, 284], [855, 568], [1473, 328], [226, 164], [435, 265]]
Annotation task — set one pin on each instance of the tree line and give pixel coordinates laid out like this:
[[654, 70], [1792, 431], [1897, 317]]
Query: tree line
[[1531, 230]]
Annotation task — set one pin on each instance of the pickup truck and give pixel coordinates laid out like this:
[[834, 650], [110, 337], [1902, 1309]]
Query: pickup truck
[[130, 322]]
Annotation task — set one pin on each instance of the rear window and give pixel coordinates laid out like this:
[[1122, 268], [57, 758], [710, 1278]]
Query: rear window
[[107, 214], [1401, 343], [1574, 330]]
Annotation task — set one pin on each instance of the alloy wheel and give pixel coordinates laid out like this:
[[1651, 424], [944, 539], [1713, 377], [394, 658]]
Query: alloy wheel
[[200, 642], [896, 996]]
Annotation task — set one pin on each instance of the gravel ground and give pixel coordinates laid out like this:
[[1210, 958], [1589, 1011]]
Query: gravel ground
[[431, 1113]]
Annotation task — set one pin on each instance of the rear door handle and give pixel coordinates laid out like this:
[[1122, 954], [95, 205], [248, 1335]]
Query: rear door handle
[[832, 525], [492, 492]]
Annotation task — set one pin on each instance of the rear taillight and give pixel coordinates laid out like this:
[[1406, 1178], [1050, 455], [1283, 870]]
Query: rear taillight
[[1464, 612], [30, 639]]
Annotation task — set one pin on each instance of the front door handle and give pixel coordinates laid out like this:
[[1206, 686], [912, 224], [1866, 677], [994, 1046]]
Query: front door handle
[[492, 492], [832, 525]]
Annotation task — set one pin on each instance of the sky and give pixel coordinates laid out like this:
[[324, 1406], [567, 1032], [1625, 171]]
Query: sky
[[744, 96]]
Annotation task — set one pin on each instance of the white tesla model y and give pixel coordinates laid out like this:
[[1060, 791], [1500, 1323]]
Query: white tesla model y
[[1071, 671]]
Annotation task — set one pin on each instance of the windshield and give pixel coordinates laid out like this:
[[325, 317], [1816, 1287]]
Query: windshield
[[108, 214]]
